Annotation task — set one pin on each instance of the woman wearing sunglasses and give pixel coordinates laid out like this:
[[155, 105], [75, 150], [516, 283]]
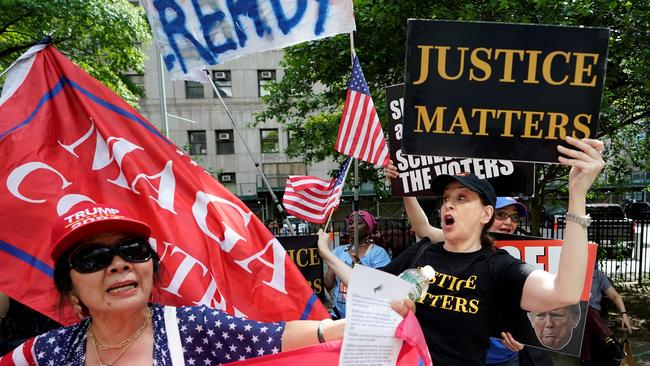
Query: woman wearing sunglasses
[[474, 281], [105, 266]]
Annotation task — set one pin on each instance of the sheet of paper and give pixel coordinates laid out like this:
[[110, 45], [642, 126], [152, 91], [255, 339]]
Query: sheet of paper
[[370, 322]]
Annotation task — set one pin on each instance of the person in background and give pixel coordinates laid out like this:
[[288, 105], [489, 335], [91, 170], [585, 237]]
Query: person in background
[[107, 270], [19, 323], [272, 225], [597, 330], [4, 305], [370, 255], [508, 214], [4, 308]]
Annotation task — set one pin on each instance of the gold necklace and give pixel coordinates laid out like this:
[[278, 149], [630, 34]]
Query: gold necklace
[[124, 344]]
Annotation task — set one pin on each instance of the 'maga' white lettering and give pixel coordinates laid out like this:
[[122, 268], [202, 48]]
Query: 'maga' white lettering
[[115, 149], [232, 237], [16, 177], [279, 257], [184, 270]]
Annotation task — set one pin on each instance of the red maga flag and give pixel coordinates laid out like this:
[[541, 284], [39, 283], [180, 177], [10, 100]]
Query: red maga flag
[[360, 134], [313, 199], [65, 138]]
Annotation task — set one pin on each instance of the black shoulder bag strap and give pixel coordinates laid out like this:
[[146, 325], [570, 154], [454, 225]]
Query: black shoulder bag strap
[[423, 247]]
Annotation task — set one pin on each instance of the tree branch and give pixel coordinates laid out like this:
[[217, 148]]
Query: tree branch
[[16, 48], [629, 121], [6, 26]]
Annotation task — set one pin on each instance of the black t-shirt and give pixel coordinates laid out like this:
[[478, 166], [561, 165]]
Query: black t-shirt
[[459, 311]]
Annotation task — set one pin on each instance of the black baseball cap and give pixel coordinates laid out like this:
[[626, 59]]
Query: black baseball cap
[[469, 180]]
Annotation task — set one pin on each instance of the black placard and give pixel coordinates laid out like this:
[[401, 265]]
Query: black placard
[[500, 91], [303, 250], [507, 177]]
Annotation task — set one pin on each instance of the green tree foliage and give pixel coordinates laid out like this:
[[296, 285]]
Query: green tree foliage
[[313, 114], [101, 36]]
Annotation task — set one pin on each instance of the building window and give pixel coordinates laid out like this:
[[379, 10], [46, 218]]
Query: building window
[[136, 79], [193, 90], [290, 136], [270, 140], [223, 82], [225, 142], [197, 142], [228, 178], [264, 78], [135, 82]]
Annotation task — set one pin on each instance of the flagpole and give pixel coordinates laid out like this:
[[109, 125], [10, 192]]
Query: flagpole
[[347, 170], [162, 94], [47, 39], [355, 184], [7, 69], [328, 221], [277, 203]]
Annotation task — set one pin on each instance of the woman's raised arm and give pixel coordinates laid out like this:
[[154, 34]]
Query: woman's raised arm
[[544, 291]]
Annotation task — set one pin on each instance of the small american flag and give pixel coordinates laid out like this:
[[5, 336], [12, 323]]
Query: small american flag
[[313, 199], [360, 134]]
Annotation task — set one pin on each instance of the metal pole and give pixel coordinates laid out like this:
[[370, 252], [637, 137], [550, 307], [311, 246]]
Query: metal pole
[[277, 203], [355, 184], [47, 39], [161, 93], [7, 69]]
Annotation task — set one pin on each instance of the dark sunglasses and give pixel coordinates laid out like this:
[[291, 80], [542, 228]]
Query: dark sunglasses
[[503, 216], [93, 258]]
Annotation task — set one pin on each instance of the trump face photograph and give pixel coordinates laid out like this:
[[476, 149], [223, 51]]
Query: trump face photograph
[[554, 328]]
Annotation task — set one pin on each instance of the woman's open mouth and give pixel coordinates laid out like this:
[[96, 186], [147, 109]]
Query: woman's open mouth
[[122, 287], [448, 220]]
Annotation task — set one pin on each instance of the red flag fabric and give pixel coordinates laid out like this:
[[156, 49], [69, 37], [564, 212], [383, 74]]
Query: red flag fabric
[[360, 134], [414, 350], [65, 139], [313, 199]]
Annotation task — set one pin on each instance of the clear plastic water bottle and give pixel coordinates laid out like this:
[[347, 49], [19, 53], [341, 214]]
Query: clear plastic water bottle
[[420, 278]]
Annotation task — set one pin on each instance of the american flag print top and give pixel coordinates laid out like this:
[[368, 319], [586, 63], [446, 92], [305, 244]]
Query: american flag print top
[[191, 336]]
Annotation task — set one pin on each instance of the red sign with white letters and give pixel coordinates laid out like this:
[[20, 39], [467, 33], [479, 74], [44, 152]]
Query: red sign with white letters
[[66, 139], [534, 328], [545, 255]]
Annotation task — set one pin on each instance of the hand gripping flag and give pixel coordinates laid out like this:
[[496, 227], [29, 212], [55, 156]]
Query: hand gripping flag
[[65, 138], [360, 134], [313, 199]]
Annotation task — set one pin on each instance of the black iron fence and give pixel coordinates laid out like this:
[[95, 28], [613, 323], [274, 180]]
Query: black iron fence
[[623, 244]]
